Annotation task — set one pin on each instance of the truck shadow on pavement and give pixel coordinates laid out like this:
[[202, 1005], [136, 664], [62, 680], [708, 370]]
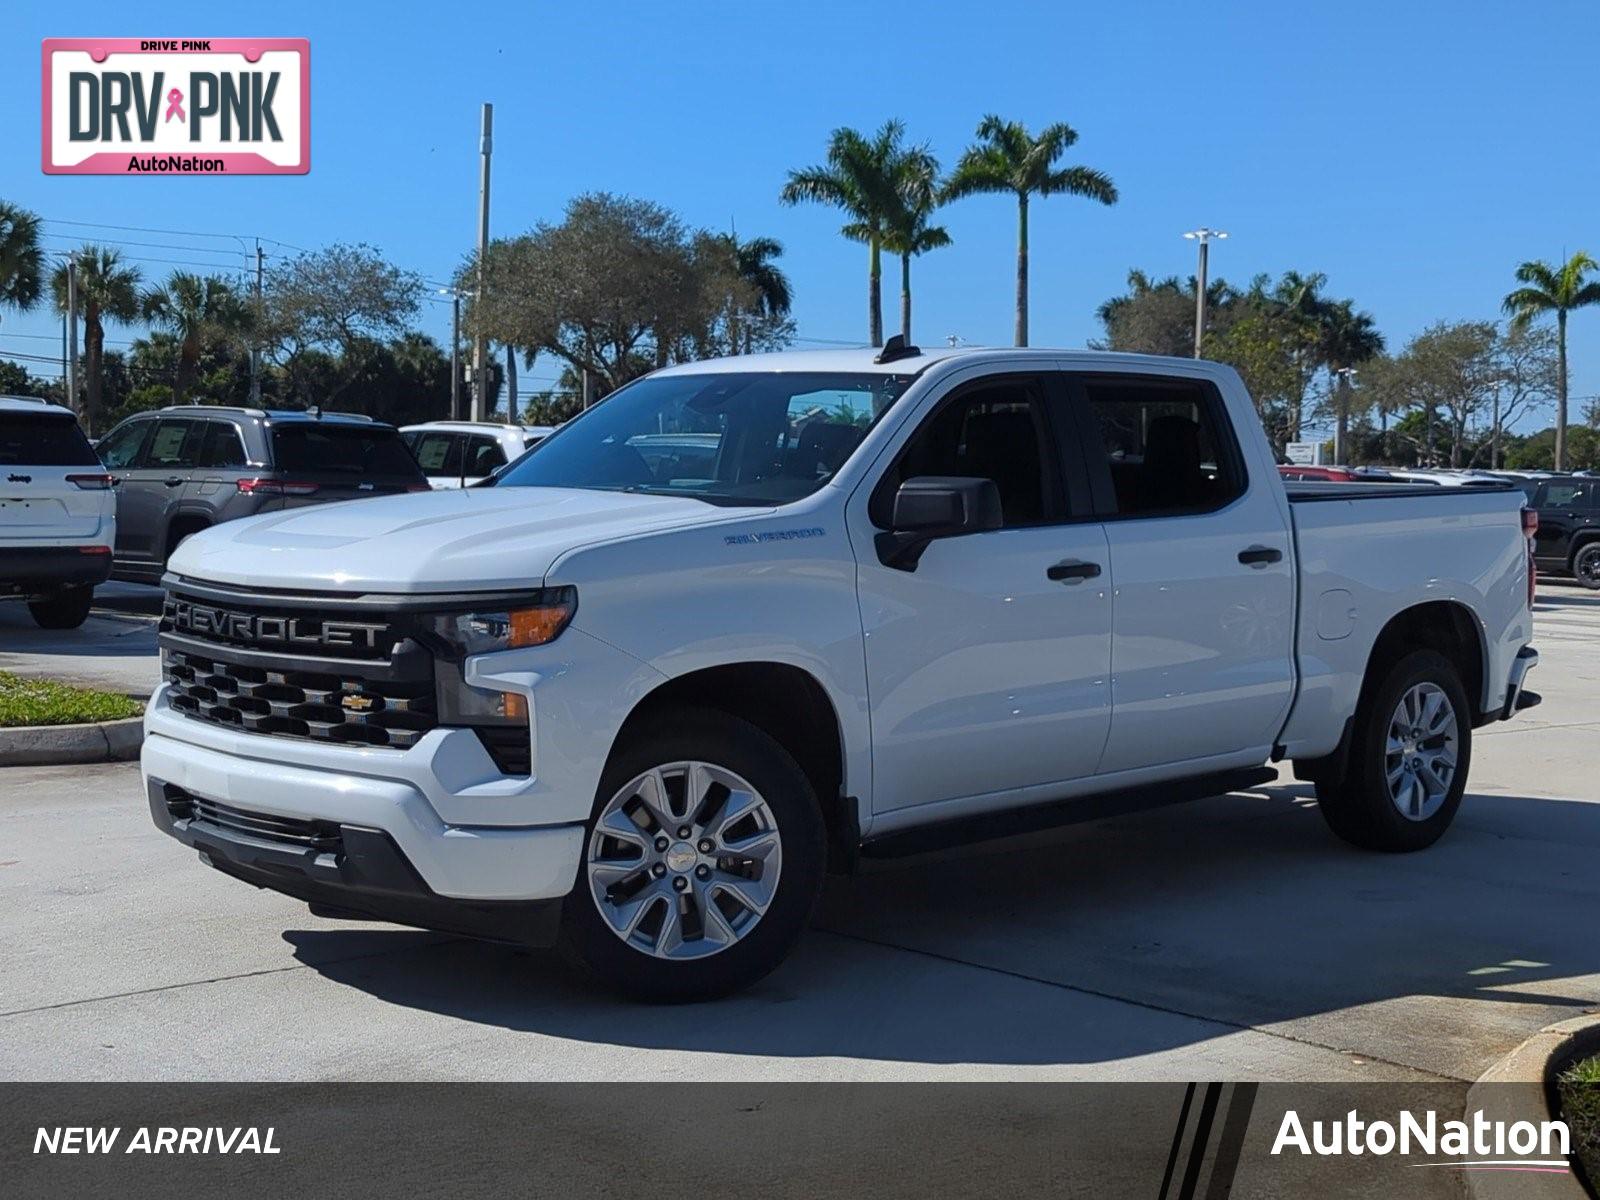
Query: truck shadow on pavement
[[1111, 940]]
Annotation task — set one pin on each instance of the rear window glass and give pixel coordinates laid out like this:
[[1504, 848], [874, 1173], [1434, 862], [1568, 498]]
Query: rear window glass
[[341, 450], [43, 440]]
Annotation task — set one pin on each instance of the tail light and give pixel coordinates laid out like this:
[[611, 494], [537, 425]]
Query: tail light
[[94, 549], [98, 482], [1530, 527], [276, 487]]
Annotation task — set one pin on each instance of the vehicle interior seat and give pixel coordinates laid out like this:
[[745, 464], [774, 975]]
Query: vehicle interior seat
[[824, 445], [1172, 475]]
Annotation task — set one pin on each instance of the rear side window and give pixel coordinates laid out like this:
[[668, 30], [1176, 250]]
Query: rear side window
[[306, 447], [222, 447], [1565, 494], [43, 440], [1165, 444], [484, 455], [439, 454]]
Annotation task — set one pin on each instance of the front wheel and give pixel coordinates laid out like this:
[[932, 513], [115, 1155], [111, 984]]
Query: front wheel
[[703, 862], [1586, 566], [65, 609], [1407, 768]]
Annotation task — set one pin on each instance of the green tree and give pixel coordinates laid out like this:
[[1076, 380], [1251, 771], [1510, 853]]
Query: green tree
[[1345, 339], [909, 232], [1560, 290], [759, 297], [108, 290], [21, 259], [862, 176], [1156, 316], [1007, 158], [201, 312]]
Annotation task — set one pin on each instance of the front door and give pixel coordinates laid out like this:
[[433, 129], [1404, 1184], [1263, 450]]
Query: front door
[[987, 664], [1202, 642], [151, 491]]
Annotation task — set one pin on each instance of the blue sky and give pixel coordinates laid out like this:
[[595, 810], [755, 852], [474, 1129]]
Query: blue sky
[[1413, 151]]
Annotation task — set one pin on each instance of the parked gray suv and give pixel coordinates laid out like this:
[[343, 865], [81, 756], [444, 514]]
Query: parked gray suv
[[181, 469]]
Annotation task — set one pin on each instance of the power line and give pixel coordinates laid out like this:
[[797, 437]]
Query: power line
[[238, 237], [67, 237]]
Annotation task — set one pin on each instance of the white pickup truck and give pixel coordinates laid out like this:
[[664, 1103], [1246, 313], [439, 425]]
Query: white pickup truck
[[752, 618]]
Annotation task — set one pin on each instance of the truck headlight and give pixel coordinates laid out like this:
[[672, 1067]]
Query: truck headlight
[[534, 623], [541, 619]]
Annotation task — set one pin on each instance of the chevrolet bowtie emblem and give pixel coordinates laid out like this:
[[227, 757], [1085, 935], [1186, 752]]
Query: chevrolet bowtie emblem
[[356, 703]]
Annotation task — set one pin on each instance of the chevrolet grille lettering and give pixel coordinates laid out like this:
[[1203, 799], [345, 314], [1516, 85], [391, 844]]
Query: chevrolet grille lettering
[[221, 624]]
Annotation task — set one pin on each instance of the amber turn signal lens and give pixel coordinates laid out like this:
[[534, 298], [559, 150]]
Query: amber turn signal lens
[[536, 626]]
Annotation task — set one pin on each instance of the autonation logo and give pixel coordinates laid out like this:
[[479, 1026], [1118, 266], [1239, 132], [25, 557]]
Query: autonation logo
[[1474, 1144]]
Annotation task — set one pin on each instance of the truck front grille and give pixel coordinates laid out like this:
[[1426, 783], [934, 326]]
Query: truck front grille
[[319, 836], [326, 705]]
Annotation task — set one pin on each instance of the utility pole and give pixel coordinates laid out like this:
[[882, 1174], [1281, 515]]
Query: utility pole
[[455, 351], [480, 347], [1341, 416], [255, 341], [72, 336], [1205, 237]]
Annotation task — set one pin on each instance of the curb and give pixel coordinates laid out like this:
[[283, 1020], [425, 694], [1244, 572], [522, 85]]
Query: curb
[[1519, 1088], [48, 745]]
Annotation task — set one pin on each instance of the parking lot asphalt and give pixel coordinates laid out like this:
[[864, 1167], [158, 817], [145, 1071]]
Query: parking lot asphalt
[[1232, 938], [115, 648]]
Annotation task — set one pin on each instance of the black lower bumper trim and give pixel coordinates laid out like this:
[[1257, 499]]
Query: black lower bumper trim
[[40, 569], [360, 873]]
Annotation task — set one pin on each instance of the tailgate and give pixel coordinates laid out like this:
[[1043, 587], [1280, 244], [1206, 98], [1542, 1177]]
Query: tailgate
[[342, 462], [38, 500]]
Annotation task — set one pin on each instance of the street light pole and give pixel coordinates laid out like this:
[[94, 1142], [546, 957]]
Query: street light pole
[[255, 341], [72, 336], [1205, 237], [455, 351], [1341, 416], [480, 346]]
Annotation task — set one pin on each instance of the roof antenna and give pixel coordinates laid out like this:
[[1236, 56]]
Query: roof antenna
[[895, 349]]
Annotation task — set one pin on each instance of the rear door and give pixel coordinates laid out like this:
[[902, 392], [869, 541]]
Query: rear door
[[1565, 506], [321, 461], [152, 489], [483, 456], [41, 453], [220, 463], [1203, 631]]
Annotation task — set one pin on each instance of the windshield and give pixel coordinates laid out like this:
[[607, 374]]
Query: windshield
[[739, 438]]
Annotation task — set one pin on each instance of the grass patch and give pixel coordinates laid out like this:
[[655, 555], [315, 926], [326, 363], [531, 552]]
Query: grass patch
[[46, 702], [1579, 1086]]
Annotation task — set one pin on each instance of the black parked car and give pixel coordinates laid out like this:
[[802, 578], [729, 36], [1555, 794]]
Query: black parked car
[[182, 469], [1568, 541]]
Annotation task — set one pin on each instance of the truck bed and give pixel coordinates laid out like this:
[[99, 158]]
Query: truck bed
[[1309, 492]]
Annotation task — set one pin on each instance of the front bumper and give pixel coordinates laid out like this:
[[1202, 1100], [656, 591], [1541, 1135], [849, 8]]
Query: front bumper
[[339, 869], [34, 569]]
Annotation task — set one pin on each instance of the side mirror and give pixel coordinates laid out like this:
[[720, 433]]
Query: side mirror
[[936, 506]]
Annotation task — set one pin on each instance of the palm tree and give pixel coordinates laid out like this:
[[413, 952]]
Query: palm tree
[[1008, 159], [1347, 339], [909, 233], [21, 260], [1559, 290], [199, 311], [107, 290], [753, 264], [861, 176]]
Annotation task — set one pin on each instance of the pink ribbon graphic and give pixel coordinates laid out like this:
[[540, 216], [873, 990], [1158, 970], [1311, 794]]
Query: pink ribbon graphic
[[175, 106]]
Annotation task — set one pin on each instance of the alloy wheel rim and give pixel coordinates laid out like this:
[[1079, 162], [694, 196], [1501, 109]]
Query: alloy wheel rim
[[1588, 566], [1420, 754], [684, 860]]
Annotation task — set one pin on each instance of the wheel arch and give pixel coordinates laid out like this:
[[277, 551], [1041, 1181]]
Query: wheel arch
[[1445, 626], [791, 706]]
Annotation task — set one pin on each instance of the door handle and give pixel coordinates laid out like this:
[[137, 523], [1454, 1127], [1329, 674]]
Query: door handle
[[1072, 571], [1260, 556], [173, 481]]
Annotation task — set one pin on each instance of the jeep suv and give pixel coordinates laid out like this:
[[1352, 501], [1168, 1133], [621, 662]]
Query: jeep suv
[[183, 469], [1568, 540]]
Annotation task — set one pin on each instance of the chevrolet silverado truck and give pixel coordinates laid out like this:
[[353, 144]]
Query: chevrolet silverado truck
[[749, 620]]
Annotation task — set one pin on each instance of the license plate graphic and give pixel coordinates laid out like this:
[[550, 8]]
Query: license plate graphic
[[176, 106]]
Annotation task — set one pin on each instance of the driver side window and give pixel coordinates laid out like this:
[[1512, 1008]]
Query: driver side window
[[995, 431]]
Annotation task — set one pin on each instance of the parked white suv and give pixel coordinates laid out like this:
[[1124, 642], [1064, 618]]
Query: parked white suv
[[456, 454], [58, 514], [746, 619]]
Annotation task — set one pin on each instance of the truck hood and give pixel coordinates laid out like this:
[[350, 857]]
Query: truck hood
[[473, 539]]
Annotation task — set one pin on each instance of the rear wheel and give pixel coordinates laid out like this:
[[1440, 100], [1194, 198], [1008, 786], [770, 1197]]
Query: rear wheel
[[1586, 566], [703, 863], [64, 609], [1407, 767]]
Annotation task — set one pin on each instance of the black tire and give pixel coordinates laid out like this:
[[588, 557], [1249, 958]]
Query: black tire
[[1586, 565], [66, 609], [740, 747], [1358, 806]]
